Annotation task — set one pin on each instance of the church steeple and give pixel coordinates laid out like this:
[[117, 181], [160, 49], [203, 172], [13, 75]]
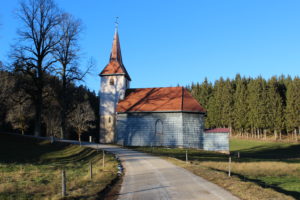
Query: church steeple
[[113, 85], [115, 65], [116, 49]]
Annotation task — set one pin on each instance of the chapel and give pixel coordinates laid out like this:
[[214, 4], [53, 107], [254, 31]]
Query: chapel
[[158, 116]]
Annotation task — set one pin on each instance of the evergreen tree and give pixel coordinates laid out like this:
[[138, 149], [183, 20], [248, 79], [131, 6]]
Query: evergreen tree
[[226, 103], [293, 105], [257, 101], [275, 107], [240, 104], [214, 110]]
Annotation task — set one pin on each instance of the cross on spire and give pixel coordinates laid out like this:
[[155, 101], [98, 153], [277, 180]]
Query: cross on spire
[[117, 23]]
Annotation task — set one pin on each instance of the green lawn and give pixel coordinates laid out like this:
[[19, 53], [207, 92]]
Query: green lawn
[[273, 168], [31, 169]]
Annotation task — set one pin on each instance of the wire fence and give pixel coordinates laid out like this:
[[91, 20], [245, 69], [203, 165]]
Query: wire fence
[[56, 181]]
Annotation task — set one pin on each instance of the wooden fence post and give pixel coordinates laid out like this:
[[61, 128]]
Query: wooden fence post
[[63, 183], [103, 158], [186, 156], [91, 170], [229, 167]]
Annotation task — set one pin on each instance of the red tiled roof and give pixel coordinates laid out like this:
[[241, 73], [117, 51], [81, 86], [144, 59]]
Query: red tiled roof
[[115, 65], [217, 130], [159, 99]]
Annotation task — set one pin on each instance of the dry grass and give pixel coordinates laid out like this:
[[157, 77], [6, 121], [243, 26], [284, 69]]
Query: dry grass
[[265, 170], [257, 168], [39, 176], [244, 189]]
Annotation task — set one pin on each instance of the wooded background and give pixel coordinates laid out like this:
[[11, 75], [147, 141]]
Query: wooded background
[[254, 106]]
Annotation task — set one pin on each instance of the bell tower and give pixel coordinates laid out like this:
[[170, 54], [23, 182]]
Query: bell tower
[[114, 82]]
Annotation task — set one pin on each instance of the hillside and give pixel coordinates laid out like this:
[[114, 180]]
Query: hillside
[[31, 169]]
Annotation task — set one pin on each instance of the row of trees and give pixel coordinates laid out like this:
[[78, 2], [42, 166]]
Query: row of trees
[[251, 105], [43, 69], [17, 109]]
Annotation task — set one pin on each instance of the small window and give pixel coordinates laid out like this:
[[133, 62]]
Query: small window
[[109, 120], [111, 81]]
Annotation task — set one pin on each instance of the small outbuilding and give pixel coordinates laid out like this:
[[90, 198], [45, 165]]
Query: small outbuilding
[[216, 139]]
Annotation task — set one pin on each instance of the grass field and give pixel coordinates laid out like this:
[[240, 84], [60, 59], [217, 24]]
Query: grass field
[[265, 170], [31, 169]]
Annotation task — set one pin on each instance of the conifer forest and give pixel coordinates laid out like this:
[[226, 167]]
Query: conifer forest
[[252, 107]]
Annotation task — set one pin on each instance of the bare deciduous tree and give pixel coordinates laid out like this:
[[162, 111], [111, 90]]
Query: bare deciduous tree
[[20, 112], [67, 54], [37, 39], [51, 117], [6, 85], [82, 118]]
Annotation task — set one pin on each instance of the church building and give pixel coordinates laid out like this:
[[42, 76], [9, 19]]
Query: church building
[[160, 116]]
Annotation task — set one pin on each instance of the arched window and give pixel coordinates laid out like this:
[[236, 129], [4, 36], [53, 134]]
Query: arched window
[[158, 127], [159, 138], [111, 81]]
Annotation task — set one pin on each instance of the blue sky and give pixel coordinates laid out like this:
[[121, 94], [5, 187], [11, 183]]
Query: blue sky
[[170, 42]]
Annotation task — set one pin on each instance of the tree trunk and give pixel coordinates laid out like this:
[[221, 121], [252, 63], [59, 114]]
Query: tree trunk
[[275, 134], [63, 103], [39, 99], [79, 137], [280, 135], [38, 115], [63, 124], [22, 131], [296, 137]]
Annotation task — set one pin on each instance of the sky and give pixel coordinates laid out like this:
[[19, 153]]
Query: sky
[[176, 42]]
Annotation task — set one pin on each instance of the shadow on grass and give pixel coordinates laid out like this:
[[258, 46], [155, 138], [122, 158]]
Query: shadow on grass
[[193, 154], [289, 154], [22, 150], [261, 183]]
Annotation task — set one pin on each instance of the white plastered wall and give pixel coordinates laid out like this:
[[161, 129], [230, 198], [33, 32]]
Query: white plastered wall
[[110, 94]]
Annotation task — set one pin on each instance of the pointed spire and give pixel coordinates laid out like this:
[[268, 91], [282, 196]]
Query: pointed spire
[[116, 48], [115, 65]]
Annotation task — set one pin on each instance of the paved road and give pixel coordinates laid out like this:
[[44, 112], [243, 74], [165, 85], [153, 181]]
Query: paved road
[[152, 178]]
